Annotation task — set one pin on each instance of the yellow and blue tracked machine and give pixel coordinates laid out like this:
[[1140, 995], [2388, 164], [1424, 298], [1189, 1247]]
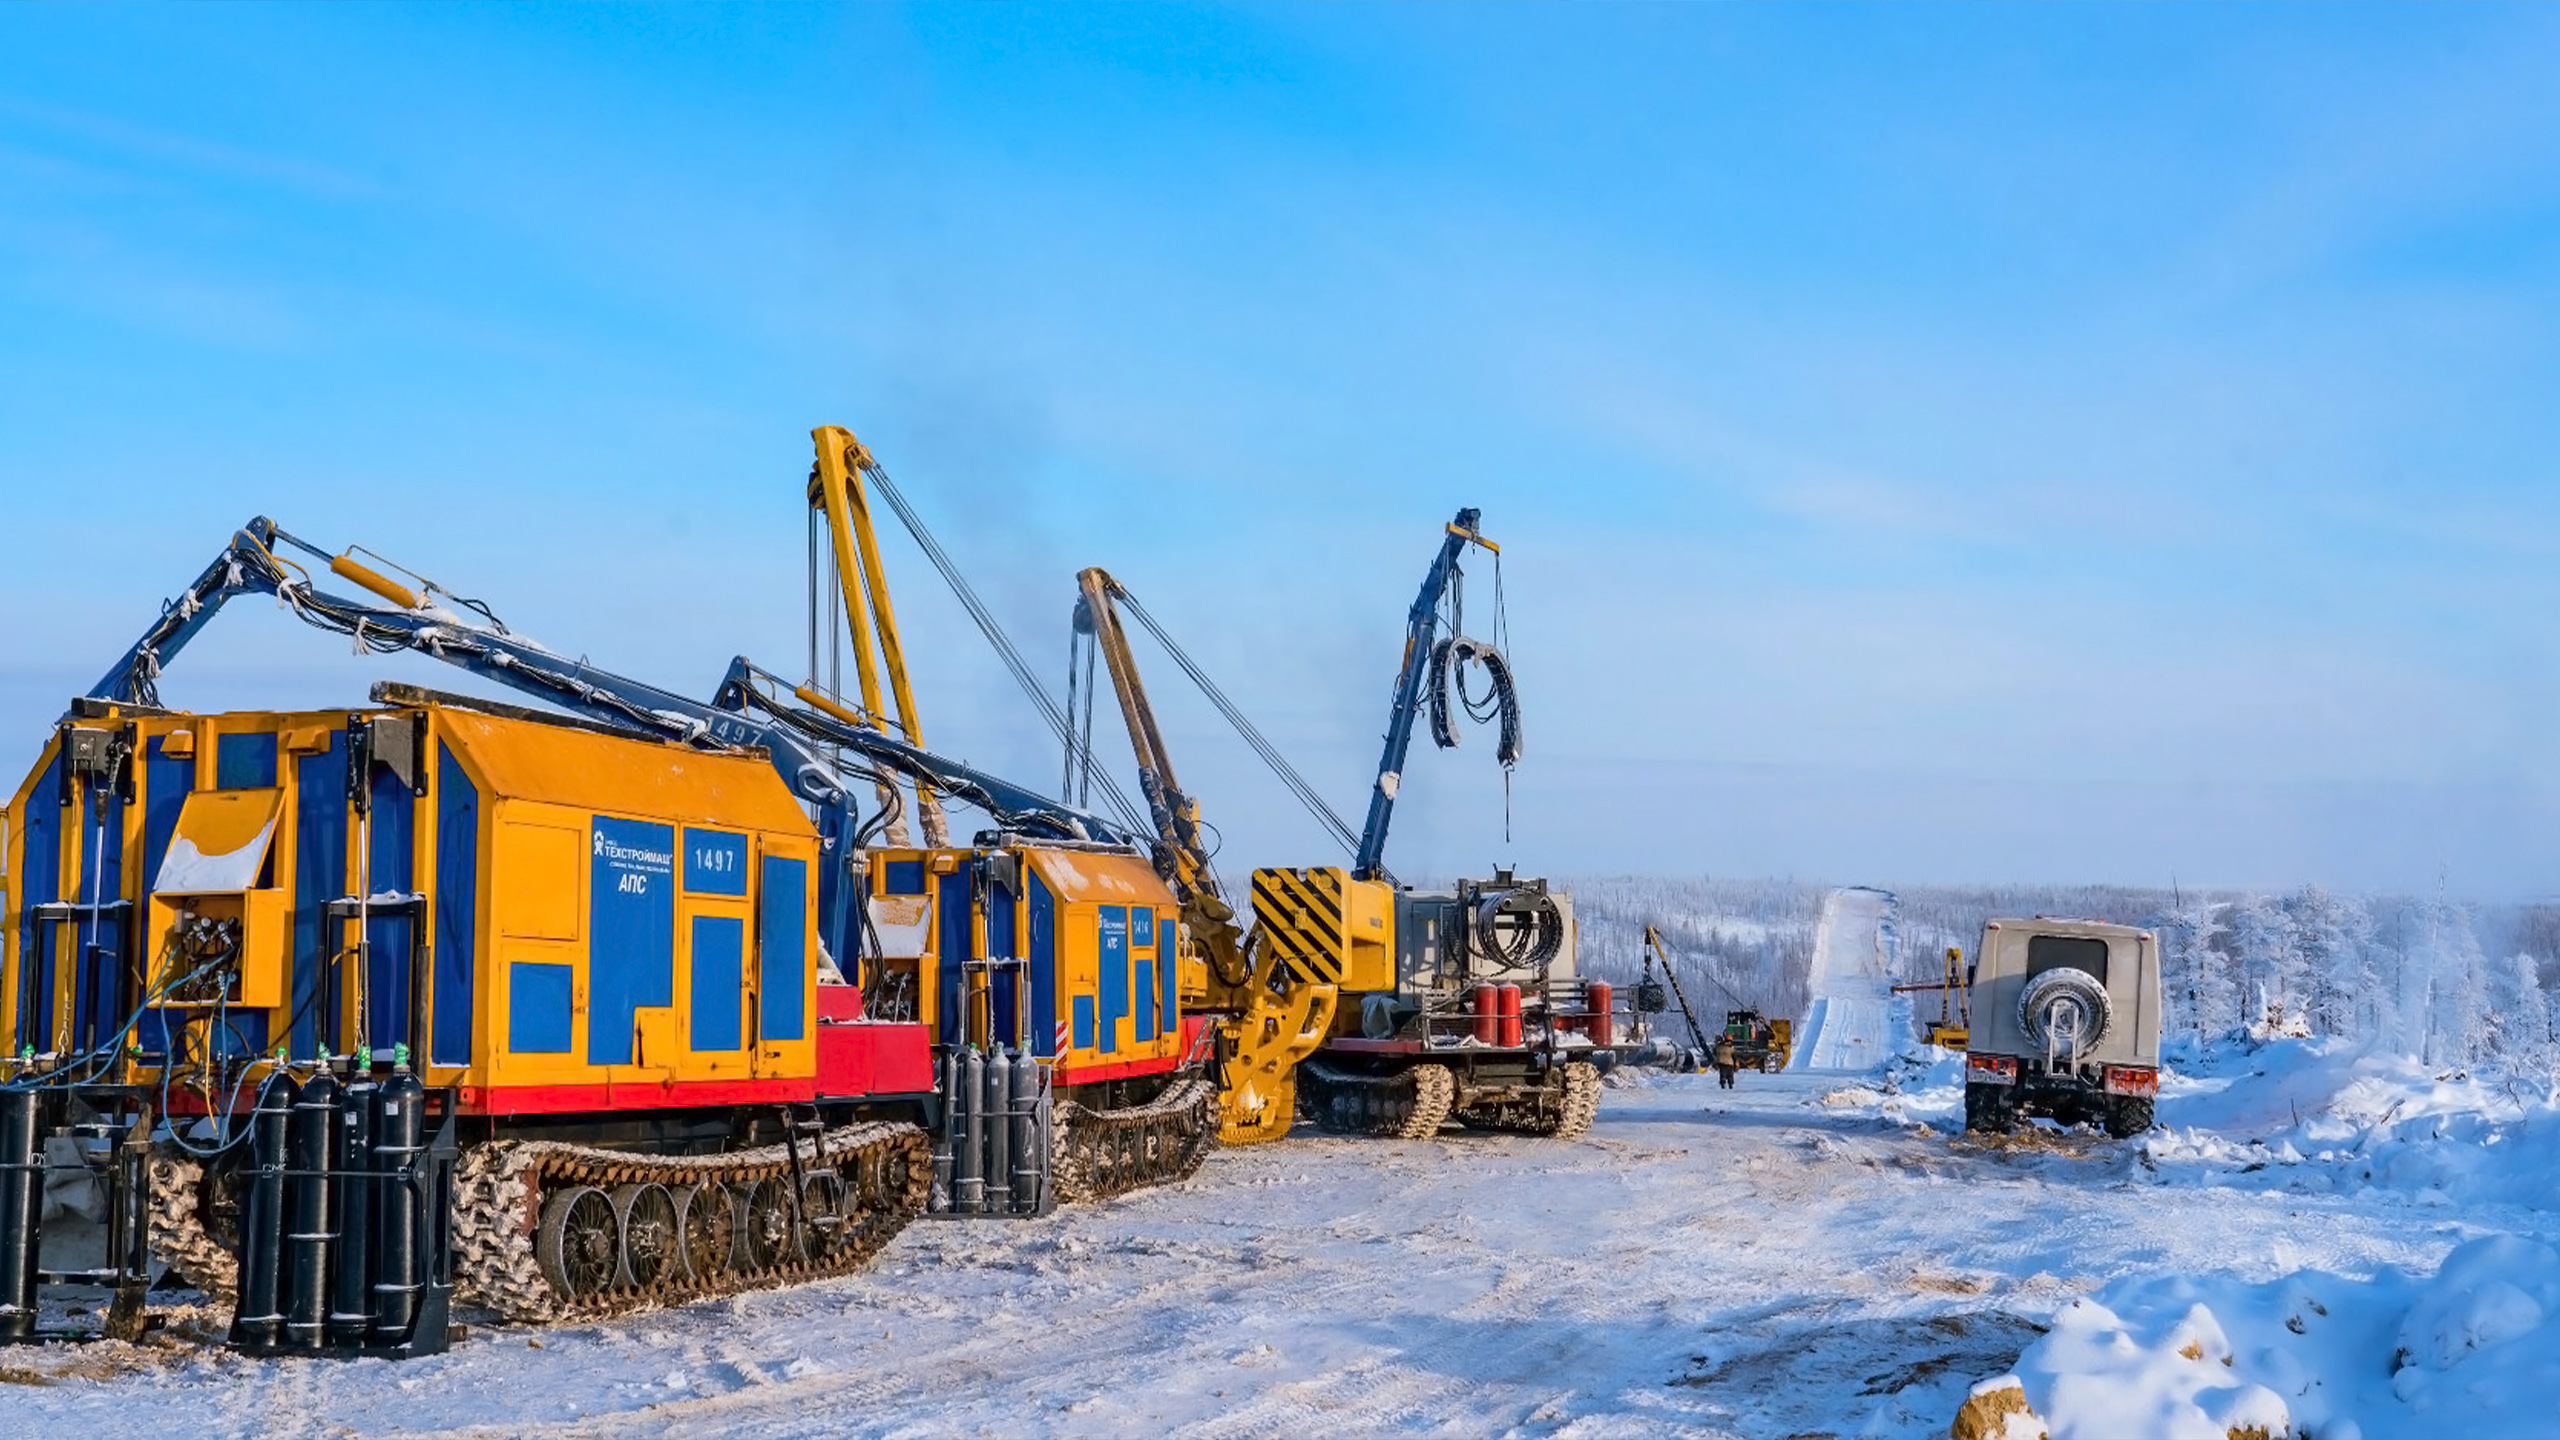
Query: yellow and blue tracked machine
[[372, 1011]]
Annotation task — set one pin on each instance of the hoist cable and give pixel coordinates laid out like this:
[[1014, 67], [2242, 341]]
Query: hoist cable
[[1004, 646], [1260, 744]]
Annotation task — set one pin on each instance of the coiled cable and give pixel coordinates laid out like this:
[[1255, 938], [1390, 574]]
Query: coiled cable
[[1501, 699]]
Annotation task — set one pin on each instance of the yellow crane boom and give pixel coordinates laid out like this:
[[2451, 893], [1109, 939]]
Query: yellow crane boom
[[1274, 1019], [835, 488]]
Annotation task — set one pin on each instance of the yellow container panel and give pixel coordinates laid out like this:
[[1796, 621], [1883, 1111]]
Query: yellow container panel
[[1369, 926], [536, 1002]]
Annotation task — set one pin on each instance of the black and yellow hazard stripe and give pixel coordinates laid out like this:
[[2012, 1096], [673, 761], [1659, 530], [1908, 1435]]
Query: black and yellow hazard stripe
[[1301, 910]]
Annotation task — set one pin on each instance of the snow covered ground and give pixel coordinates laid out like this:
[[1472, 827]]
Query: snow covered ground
[[1855, 1021], [1797, 1255], [2319, 1238]]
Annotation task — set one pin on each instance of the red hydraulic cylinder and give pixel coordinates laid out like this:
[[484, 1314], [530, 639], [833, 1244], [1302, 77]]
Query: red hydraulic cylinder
[[1507, 1007], [1488, 1018], [1595, 999]]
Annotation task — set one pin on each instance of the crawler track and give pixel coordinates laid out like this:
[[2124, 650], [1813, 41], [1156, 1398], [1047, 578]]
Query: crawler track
[[1102, 1153], [1411, 1105], [179, 1235], [548, 1231], [1563, 1113]]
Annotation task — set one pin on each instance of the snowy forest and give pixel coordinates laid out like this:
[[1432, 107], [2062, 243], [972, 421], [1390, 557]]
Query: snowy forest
[[2450, 983]]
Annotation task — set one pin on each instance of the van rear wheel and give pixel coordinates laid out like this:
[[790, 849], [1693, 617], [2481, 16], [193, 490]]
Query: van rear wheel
[[1989, 1109], [2128, 1116]]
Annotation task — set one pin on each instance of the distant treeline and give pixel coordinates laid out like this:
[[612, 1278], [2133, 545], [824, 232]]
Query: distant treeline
[[2450, 982], [1733, 943]]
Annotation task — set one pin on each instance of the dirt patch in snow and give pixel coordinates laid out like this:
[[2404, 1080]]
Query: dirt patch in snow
[[2036, 1140]]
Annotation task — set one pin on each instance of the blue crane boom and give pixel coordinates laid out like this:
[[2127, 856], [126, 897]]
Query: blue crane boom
[[748, 710], [1421, 625]]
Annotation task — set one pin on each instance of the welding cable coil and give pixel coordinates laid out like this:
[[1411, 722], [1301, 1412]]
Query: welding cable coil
[[1519, 928], [1448, 660]]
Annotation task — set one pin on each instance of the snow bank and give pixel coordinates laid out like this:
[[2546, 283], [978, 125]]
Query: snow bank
[[2303, 1116], [2329, 1116], [2472, 1350], [1922, 1086]]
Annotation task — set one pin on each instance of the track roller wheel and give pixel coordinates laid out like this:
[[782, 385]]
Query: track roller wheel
[[770, 1237], [579, 1244], [651, 1240], [823, 1212], [710, 1222]]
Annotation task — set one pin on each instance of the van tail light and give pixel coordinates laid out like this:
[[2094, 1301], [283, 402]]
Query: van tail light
[[2132, 1080], [1991, 1069]]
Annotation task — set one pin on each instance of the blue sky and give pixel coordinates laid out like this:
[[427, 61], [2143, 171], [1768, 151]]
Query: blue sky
[[2038, 443]]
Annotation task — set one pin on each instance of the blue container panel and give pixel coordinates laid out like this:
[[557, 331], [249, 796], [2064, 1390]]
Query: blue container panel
[[166, 782], [391, 862], [244, 762], [1004, 987], [715, 863], [319, 876], [719, 981], [1111, 947], [1047, 1024], [782, 944], [840, 902], [631, 948], [1168, 1008], [40, 885], [951, 947], [1142, 943], [113, 977], [457, 908], [538, 1008], [98, 974]]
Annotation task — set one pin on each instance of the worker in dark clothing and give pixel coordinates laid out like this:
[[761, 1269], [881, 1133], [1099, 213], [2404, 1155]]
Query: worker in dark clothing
[[1726, 1062]]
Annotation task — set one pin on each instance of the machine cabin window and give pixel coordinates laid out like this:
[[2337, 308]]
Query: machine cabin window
[[2066, 952]]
